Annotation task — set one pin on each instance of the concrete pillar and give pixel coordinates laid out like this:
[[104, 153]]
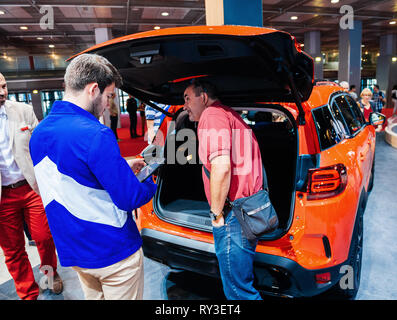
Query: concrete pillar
[[386, 68], [313, 48], [350, 54], [234, 12], [102, 35], [36, 103]]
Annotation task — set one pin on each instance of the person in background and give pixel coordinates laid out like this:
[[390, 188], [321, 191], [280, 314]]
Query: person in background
[[378, 97], [20, 200], [352, 92], [132, 107], [154, 118], [89, 190], [344, 85], [114, 115], [141, 109], [367, 106]]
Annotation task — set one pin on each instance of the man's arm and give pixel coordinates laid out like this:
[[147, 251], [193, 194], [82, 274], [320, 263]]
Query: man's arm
[[115, 175], [219, 185]]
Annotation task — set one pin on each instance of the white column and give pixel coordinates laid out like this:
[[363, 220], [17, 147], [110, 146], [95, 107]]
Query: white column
[[350, 54]]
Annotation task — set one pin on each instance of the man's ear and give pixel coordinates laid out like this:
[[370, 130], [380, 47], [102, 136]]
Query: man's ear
[[205, 98], [92, 89]]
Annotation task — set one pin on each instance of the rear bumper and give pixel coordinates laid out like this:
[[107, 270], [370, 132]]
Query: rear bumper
[[273, 274]]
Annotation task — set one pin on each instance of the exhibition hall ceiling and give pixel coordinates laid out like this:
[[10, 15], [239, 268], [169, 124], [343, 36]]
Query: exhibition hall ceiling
[[75, 20]]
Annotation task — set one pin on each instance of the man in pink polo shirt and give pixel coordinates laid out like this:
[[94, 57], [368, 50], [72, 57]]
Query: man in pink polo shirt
[[230, 154]]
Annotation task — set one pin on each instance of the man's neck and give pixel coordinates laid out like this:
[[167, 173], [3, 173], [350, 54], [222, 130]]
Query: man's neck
[[75, 98]]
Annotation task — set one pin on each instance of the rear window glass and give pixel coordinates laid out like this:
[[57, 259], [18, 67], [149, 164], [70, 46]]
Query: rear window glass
[[328, 131], [353, 123]]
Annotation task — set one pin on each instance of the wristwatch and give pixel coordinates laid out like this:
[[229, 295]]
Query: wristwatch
[[215, 216]]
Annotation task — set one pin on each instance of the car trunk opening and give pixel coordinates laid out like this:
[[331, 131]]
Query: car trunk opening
[[180, 197]]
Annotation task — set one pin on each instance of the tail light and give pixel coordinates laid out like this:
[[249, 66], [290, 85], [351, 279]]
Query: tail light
[[326, 182]]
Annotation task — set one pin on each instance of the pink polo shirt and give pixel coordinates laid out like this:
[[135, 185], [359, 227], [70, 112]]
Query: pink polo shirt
[[221, 131]]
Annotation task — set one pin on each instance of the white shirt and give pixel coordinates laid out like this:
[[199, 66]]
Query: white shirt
[[10, 173]]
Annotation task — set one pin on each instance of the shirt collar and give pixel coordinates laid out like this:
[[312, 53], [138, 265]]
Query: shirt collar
[[66, 107], [3, 110]]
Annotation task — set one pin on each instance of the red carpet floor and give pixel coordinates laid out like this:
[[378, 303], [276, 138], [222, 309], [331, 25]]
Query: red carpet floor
[[130, 147]]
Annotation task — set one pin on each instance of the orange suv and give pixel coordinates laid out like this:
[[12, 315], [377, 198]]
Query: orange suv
[[316, 146]]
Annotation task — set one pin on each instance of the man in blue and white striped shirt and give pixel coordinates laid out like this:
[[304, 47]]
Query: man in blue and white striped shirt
[[154, 118], [88, 189]]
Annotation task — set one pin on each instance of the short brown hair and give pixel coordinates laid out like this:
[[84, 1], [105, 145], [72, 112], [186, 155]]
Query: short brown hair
[[200, 86], [89, 68]]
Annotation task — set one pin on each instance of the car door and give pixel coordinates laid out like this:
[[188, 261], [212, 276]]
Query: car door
[[359, 150], [367, 134]]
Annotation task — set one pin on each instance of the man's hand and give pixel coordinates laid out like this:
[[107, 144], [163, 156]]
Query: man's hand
[[218, 222], [136, 164]]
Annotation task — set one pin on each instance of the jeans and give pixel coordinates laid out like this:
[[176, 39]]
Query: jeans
[[235, 255]]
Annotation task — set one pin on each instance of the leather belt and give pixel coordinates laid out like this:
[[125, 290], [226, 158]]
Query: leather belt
[[15, 185]]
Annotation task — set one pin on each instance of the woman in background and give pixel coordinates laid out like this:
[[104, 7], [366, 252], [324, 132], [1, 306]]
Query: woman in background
[[367, 106]]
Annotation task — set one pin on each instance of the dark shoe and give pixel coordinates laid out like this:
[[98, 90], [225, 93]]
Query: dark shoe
[[57, 285], [32, 243]]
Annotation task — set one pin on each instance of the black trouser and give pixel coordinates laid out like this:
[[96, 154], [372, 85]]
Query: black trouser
[[113, 124], [133, 123]]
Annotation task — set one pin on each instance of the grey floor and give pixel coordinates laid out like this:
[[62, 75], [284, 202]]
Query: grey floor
[[378, 275]]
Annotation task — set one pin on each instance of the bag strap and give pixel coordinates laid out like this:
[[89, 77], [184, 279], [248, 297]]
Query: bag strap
[[265, 185]]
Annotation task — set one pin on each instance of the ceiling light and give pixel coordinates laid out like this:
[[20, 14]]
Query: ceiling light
[[165, 14], [392, 22], [51, 46], [39, 38], [318, 59], [23, 27], [334, 1], [363, 45], [294, 18], [156, 28], [394, 59], [35, 91], [2, 12]]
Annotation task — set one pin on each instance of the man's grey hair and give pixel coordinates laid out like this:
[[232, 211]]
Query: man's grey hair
[[90, 68]]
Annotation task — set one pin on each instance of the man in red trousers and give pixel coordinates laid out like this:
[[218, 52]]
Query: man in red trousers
[[20, 200]]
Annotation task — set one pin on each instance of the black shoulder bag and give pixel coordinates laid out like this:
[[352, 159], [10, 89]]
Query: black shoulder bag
[[255, 213]]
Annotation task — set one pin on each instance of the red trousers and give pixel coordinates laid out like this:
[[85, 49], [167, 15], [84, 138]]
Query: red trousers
[[17, 205]]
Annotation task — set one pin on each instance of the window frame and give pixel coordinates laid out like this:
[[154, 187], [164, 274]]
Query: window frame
[[332, 100]]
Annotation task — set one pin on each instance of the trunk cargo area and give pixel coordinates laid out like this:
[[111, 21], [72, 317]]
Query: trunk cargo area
[[180, 197]]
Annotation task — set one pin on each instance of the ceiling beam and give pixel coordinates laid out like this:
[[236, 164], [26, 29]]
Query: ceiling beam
[[197, 5], [88, 21]]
